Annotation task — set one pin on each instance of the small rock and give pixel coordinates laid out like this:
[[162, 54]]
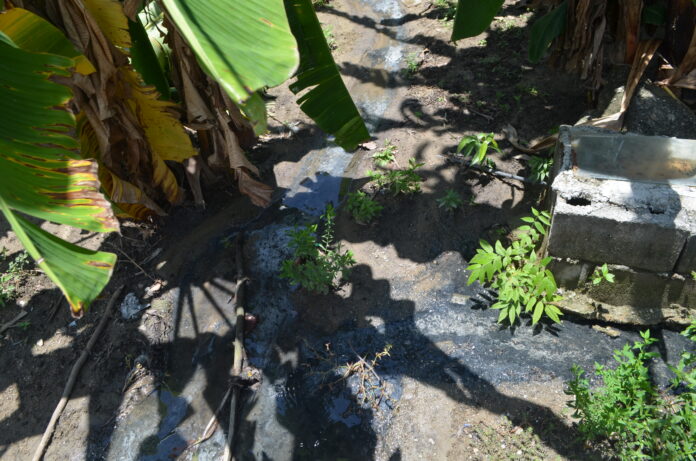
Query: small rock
[[609, 331], [518, 430], [73, 324], [519, 453], [131, 307], [39, 342], [22, 303], [152, 289]]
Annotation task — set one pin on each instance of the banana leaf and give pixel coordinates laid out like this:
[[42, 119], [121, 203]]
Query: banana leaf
[[327, 102], [473, 17], [41, 172]]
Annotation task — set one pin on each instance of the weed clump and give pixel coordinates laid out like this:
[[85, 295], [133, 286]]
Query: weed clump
[[317, 265], [629, 414]]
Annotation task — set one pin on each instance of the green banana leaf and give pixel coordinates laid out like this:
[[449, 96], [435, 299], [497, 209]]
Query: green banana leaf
[[328, 103], [473, 17], [42, 174], [245, 45], [545, 30]]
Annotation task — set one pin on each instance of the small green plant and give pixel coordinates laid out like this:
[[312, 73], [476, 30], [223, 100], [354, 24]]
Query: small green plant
[[446, 8], [482, 42], [540, 168], [693, 275], [450, 201], [476, 146], [363, 207], [317, 265], [10, 279], [329, 36], [600, 274], [629, 414], [385, 156], [405, 181], [412, 65], [524, 285], [24, 325]]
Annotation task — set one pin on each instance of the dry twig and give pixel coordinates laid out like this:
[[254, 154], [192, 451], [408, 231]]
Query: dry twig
[[48, 433]]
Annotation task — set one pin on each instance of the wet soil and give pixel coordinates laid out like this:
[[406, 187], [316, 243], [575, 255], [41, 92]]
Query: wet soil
[[454, 385]]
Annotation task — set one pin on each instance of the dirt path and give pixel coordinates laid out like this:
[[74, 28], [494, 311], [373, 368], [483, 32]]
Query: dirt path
[[455, 385]]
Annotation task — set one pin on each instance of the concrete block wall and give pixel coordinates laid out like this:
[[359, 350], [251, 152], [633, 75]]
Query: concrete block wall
[[645, 230]]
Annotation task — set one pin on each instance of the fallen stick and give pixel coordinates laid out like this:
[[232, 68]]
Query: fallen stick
[[238, 348], [11, 323], [48, 433]]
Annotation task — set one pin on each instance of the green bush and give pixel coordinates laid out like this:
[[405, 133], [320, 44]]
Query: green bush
[[317, 265], [630, 414]]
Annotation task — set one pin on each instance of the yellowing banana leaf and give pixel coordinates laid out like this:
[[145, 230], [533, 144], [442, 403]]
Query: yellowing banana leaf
[[245, 45], [112, 20], [33, 33], [164, 131], [473, 17], [42, 175], [327, 102]]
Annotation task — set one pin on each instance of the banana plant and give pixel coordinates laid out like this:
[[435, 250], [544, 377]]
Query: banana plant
[[78, 116], [41, 171]]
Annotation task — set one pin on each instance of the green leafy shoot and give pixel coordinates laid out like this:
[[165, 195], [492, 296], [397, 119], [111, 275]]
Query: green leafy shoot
[[446, 9], [525, 286], [405, 181], [629, 415], [363, 207], [600, 274], [412, 65], [476, 146], [10, 279], [385, 156], [450, 201], [540, 168], [317, 265], [329, 37]]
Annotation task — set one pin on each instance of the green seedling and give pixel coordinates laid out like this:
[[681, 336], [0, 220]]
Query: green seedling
[[317, 265], [405, 181], [540, 168], [446, 8], [525, 286], [600, 274], [450, 201], [10, 280], [385, 156], [329, 36], [477, 146], [412, 65], [363, 207]]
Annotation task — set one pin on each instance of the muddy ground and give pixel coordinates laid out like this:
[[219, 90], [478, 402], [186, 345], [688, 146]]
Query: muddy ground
[[455, 385]]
